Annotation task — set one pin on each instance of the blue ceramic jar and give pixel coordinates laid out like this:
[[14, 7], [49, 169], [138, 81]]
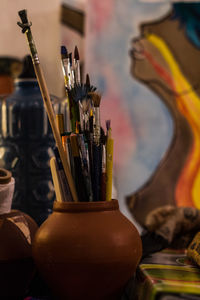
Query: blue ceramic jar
[[26, 143]]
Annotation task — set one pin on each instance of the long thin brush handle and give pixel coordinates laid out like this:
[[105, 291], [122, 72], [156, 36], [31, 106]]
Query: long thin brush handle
[[97, 170], [56, 180], [79, 180], [60, 183], [103, 175], [46, 98], [109, 166]]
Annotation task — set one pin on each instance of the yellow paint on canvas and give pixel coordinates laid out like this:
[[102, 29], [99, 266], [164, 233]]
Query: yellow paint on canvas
[[188, 103]]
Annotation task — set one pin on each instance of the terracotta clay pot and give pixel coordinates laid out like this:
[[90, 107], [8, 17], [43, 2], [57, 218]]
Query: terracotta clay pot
[[87, 250], [16, 263]]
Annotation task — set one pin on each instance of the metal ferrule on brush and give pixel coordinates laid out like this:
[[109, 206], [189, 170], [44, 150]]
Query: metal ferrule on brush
[[96, 126], [32, 46], [36, 59]]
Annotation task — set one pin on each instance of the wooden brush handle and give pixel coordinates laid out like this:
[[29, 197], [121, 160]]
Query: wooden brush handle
[[56, 181], [109, 166], [103, 187], [97, 167]]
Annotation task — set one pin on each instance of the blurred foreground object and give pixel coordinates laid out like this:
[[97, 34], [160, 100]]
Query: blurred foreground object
[[16, 234]]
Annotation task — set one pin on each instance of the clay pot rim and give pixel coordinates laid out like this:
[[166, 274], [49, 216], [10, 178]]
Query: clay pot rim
[[5, 176], [85, 206]]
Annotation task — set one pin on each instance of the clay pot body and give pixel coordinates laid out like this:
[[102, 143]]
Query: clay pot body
[[87, 250], [16, 264]]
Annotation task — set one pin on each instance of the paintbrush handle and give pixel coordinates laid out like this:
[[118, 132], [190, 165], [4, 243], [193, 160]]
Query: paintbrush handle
[[97, 170], [103, 187], [60, 184], [96, 126], [56, 180], [78, 178], [103, 175], [109, 166]]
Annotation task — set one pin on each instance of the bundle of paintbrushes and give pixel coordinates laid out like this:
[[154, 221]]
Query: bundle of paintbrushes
[[88, 149], [82, 166]]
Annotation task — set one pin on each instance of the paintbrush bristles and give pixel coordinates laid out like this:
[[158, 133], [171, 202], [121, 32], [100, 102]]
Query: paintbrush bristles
[[96, 98], [70, 59], [76, 54], [108, 122], [87, 82], [85, 105], [64, 52]]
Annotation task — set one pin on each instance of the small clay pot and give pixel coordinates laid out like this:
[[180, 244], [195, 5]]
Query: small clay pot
[[87, 250], [16, 263], [5, 176]]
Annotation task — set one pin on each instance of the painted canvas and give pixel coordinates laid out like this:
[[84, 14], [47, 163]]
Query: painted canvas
[[144, 57]]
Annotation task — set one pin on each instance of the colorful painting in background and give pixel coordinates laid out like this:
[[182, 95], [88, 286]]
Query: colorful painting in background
[[151, 96]]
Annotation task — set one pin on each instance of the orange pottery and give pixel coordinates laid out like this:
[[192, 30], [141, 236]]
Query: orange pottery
[[87, 250], [17, 267]]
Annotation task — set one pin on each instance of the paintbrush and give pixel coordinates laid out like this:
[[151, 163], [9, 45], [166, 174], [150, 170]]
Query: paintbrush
[[66, 194], [65, 66], [87, 82], [77, 66], [85, 165], [103, 174], [96, 147], [79, 180], [85, 106], [96, 99], [81, 115], [96, 171], [60, 123], [67, 80], [71, 70], [56, 180], [25, 25], [107, 126], [109, 163], [67, 149]]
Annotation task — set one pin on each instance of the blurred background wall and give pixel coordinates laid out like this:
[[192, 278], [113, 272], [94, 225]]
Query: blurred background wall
[[45, 16]]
